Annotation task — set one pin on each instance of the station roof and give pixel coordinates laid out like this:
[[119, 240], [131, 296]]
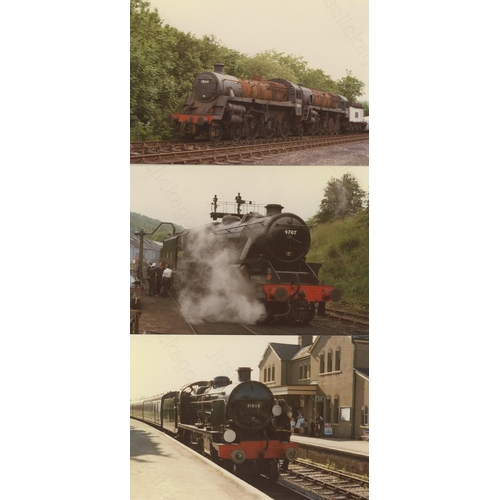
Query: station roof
[[147, 244]]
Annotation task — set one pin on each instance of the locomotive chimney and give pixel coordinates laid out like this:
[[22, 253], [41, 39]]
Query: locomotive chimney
[[273, 209], [219, 68], [244, 374]]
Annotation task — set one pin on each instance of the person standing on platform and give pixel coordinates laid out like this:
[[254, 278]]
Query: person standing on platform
[[301, 423], [158, 273], [166, 280], [318, 423], [151, 279]]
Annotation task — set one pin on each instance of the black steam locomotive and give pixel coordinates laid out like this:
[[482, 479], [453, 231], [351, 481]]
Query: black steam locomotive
[[240, 425], [269, 251], [225, 105]]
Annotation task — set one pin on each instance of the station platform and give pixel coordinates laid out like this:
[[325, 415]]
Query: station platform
[[356, 447], [349, 455], [163, 469], [161, 315]]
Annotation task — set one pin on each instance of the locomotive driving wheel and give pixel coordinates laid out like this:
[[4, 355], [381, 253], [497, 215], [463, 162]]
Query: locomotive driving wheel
[[251, 127], [273, 470], [312, 129], [268, 126], [236, 131], [284, 126], [215, 131], [330, 126]]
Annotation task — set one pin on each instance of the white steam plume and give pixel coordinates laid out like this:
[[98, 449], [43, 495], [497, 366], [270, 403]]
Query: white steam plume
[[211, 286]]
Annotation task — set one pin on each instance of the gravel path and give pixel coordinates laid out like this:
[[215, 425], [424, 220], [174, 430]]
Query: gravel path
[[354, 155]]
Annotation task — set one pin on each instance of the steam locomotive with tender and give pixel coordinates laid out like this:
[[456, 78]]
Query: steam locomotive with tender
[[239, 425], [223, 105], [270, 253]]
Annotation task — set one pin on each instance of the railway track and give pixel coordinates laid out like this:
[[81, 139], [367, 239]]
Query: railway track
[[317, 482], [229, 152], [349, 317]]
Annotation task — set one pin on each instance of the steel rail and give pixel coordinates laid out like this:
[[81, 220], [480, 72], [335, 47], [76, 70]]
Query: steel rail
[[238, 153]]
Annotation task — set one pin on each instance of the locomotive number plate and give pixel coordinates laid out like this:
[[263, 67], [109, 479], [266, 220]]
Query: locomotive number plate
[[290, 231], [204, 81]]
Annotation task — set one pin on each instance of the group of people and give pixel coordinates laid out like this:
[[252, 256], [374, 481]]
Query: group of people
[[159, 279], [299, 425]]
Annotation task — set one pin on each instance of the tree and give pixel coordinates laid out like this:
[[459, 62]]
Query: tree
[[350, 87], [366, 107], [342, 198], [153, 89]]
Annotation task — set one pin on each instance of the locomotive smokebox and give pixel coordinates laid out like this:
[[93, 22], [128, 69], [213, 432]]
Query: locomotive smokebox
[[244, 374], [273, 209], [219, 68]]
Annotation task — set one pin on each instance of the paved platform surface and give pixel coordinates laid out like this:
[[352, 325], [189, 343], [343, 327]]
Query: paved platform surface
[[162, 315], [163, 469], [355, 446]]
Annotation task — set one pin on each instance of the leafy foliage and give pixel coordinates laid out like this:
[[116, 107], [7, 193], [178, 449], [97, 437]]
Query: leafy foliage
[[350, 87], [164, 62], [138, 222], [343, 247], [342, 198], [366, 107]]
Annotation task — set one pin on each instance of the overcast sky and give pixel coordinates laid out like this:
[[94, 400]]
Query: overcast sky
[[163, 363], [331, 35], [183, 194]]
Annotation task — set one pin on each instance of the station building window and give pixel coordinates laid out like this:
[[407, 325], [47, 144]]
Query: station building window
[[336, 409], [337, 359], [322, 363], [329, 367], [364, 415]]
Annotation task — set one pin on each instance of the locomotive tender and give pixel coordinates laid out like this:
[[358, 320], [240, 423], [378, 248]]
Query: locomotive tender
[[270, 253], [240, 425], [225, 105]]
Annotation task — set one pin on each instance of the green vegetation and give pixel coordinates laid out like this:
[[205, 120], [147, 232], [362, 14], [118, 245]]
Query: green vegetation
[[342, 198], [342, 246], [164, 62], [138, 222], [339, 237]]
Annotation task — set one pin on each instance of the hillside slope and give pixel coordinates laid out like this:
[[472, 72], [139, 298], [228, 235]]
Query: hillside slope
[[138, 221], [342, 247]]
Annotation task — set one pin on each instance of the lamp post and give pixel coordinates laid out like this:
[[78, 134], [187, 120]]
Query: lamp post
[[141, 235]]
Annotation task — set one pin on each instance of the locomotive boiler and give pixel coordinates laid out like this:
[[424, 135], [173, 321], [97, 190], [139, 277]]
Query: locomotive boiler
[[241, 426], [268, 250], [223, 105]]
